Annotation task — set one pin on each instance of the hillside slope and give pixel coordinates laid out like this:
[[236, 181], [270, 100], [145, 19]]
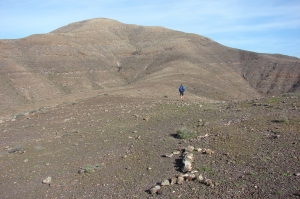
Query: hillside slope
[[99, 55]]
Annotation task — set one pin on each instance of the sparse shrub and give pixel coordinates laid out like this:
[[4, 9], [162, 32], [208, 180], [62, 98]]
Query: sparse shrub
[[284, 118], [32, 111], [204, 169], [245, 104], [281, 119], [207, 169], [19, 115], [288, 94], [251, 173], [88, 169], [286, 174], [274, 100], [185, 133], [278, 192], [98, 166]]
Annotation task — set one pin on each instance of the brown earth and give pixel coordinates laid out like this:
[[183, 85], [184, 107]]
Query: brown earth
[[102, 96], [103, 54], [255, 143]]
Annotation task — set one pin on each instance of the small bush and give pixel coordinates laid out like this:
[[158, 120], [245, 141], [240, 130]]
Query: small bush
[[87, 169], [274, 100], [207, 169], [185, 133], [32, 111], [19, 115], [281, 119]]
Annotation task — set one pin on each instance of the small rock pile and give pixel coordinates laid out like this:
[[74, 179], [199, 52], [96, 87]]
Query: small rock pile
[[188, 174]]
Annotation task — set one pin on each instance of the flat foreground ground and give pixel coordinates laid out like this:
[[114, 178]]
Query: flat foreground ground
[[120, 147]]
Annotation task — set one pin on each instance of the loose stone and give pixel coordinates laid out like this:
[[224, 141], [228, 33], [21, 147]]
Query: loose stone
[[47, 180], [187, 162], [176, 152], [200, 178], [189, 156], [209, 182], [207, 151], [165, 183], [187, 166], [168, 155], [155, 189], [190, 177], [190, 149], [180, 180], [173, 180]]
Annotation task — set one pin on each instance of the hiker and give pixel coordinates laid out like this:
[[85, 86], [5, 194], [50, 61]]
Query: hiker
[[181, 91]]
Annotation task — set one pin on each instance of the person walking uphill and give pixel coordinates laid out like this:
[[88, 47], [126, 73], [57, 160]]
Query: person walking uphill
[[181, 91]]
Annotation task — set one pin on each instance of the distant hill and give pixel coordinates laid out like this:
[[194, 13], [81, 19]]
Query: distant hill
[[105, 55]]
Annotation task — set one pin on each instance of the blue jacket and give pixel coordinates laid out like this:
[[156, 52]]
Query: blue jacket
[[181, 89]]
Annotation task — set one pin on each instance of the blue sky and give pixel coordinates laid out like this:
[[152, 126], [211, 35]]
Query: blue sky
[[270, 26]]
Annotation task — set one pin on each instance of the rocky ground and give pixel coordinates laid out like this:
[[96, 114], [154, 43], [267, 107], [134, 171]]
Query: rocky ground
[[111, 146]]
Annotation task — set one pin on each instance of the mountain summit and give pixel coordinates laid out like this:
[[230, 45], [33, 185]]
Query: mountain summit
[[106, 56]]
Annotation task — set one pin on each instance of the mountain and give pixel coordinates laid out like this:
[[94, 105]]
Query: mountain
[[103, 56]]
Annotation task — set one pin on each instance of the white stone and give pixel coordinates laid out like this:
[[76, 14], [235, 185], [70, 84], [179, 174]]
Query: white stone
[[168, 155], [189, 157], [191, 177], [200, 178], [165, 183], [190, 148], [187, 166], [47, 180], [176, 152], [155, 189]]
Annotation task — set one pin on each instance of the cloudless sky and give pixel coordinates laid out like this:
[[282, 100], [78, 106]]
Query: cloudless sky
[[264, 26]]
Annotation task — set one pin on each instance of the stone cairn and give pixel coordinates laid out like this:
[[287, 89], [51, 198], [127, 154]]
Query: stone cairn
[[188, 174]]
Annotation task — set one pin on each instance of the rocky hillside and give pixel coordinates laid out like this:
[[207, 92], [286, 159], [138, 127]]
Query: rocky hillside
[[103, 55]]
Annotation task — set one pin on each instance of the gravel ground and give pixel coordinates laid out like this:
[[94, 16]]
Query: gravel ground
[[121, 147]]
